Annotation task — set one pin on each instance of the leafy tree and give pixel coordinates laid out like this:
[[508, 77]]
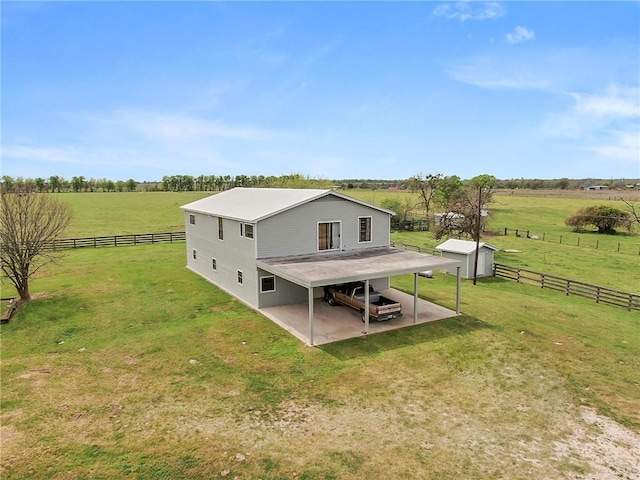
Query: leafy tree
[[401, 209], [40, 184], [29, 222], [605, 218], [131, 185], [55, 183], [464, 206]]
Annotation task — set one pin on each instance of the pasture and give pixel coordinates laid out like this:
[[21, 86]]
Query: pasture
[[126, 365]]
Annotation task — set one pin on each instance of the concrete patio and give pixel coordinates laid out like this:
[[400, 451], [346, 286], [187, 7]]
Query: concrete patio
[[333, 324]]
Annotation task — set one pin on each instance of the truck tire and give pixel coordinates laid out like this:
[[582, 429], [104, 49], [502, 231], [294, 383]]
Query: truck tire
[[332, 300]]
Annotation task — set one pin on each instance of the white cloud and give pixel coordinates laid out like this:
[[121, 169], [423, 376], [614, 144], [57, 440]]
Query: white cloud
[[469, 10], [607, 124], [520, 34], [617, 102]]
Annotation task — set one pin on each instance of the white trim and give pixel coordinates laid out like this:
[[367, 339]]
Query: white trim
[[221, 229], [274, 283], [339, 247], [370, 229]]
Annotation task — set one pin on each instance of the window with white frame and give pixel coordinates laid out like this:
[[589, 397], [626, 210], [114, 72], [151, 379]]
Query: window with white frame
[[248, 230], [220, 229], [329, 236], [267, 284], [193, 254], [240, 277], [214, 264], [192, 219], [364, 229]]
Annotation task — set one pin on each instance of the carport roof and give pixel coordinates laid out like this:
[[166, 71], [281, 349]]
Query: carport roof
[[341, 267]]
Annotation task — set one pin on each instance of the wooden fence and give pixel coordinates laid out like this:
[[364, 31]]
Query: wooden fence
[[416, 248], [630, 301], [117, 240]]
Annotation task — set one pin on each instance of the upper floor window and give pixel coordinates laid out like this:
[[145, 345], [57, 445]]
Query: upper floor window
[[248, 230], [329, 236], [220, 229], [364, 229], [192, 219]]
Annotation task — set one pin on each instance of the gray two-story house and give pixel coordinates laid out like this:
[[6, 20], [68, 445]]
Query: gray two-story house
[[272, 246]]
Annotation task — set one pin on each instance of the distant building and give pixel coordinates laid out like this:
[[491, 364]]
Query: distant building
[[597, 187]]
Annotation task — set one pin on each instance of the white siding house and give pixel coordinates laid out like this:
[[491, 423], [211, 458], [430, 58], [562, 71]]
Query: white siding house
[[271, 247], [228, 232]]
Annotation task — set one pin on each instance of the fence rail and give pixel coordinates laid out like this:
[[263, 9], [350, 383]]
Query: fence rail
[[610, 296], [117, 240], [416, 248]]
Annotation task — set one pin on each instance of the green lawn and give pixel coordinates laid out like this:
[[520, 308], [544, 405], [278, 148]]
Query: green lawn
[[126, 365]]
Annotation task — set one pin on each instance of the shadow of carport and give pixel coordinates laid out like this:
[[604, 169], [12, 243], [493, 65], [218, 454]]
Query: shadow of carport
[[332, 324]]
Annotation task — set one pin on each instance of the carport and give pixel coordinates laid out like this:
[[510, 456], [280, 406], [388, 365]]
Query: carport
[[320, 270]]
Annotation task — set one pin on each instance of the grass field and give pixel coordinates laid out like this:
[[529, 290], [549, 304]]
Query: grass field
[[126, 365]]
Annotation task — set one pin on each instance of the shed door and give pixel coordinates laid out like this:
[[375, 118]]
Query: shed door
[[481, 264]]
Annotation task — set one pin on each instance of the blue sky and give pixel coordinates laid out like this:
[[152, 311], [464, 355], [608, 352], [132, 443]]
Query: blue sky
[[331, 90]]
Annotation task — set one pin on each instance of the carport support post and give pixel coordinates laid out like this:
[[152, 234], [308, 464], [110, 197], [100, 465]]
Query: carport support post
[[366, 306], [310, 290], [458, 290], [415, 297]]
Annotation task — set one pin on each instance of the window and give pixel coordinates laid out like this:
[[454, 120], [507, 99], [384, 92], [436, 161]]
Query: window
[[192, 219], [220, 229], [246, 230], [267, 284], [329, 236], [364, 229], [240, 277], [193, 253], [214, 264]]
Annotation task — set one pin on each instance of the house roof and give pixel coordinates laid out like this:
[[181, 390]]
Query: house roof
[[255, 204], [462, 246]]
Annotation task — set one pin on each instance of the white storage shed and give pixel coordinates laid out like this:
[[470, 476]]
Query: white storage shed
[[464, 251]]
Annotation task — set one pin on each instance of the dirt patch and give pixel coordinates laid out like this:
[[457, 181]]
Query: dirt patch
[[609, 449]]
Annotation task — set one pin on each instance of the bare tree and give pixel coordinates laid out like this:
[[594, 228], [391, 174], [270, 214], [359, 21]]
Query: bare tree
[[631, 207], [29, 223], [427, 187]]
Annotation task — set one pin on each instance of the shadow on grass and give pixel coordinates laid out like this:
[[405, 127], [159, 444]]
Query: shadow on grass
[[416, 334]]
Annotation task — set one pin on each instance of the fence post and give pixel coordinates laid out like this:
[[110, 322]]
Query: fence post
[[135, 239], [542, 280], [95, 245], [115, 240], [506, 231], [74, 243], [578, 241], [560, 238], [516, 232], [568, 290], [598, 295], [618, 247], [597, 244], [518, 279]]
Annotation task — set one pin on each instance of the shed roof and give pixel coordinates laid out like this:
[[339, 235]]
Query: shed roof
[[462, 246], [255, 204]]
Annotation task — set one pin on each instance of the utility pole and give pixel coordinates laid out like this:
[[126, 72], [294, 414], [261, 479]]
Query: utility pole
[[477, 233]]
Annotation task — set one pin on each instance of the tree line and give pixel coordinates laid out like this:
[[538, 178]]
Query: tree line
[[169, 183]]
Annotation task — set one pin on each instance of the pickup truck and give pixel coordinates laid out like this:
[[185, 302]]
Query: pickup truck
[[352, 295]]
